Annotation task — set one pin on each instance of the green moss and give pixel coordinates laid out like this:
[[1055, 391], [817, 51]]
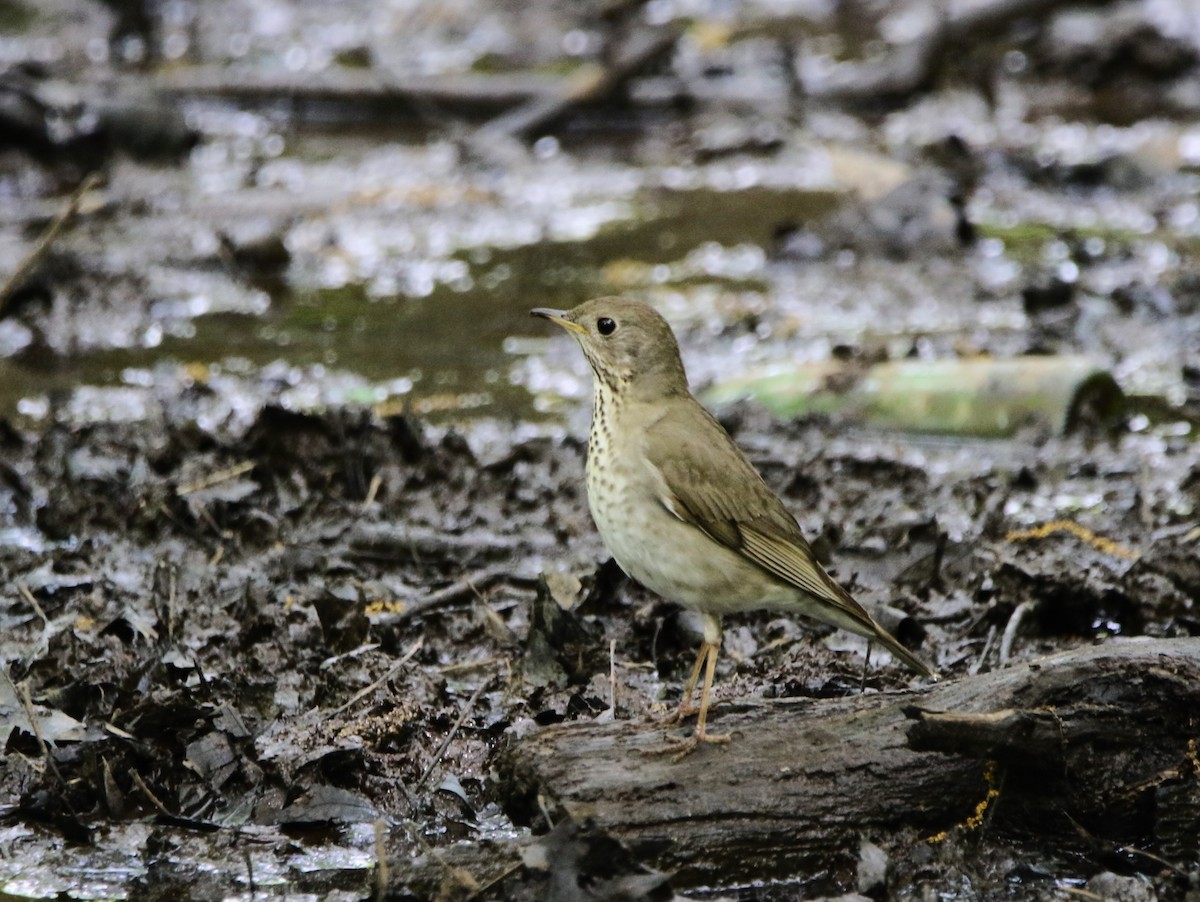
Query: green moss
[[497, 64], [1024, 241], [15, 16], [354, 58]]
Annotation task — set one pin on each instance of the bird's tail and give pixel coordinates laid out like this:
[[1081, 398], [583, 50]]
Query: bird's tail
[[838, 607], [892, 644]]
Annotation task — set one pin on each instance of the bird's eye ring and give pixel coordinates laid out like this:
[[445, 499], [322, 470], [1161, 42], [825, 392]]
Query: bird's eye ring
[[606, 325]]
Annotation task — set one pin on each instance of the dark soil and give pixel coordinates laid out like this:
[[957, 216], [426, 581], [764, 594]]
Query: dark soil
[[297, 576], [252, 639]]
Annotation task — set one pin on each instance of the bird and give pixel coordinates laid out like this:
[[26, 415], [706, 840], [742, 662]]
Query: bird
[[678, 504]]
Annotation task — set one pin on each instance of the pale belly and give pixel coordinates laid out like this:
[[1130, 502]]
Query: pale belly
[[674, 558]]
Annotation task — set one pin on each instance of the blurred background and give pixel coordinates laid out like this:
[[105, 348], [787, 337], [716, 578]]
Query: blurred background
[[292, 522], [359, 201]]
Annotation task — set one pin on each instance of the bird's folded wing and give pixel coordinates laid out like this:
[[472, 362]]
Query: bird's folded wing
[[794, 563], [698, 470]]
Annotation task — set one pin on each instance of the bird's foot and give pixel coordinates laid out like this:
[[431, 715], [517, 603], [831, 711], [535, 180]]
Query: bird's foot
[[681, 748], [681, 714]]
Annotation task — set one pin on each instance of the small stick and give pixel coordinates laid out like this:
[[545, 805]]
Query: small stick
[[27, 704], [464, 882], [153, 799], [14, 281], [862, 682], [455, 592], [367, 690], [1010, 630], [462, 718], [216, 478], [511, 869], [472, 665], [28, 596], [250, 873], [381, 865], [171, 591], [372, 490], [987, 647], [612, 676]]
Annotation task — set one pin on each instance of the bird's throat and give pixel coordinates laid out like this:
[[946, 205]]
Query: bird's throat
[[605, 410]]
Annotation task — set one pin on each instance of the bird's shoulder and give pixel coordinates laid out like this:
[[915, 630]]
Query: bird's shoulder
[[701, 464], [708, 481]]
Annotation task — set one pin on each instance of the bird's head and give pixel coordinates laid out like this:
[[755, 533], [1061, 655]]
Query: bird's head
[[628, 344]]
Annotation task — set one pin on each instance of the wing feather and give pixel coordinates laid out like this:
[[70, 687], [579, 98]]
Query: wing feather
[[751, 521]]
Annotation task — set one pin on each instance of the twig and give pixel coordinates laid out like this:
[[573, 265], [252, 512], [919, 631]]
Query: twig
[[34, 257], [977, 665], [612, 675], [372, 490], [458, 591], [150, 796], [367, 690], [1157, 859], [508, 871], [465, 882], [1010, 630], [590, 85], [172, 591], [216, 478], [28, 596], [471, 665], [375, 541], [1100, 543], [352, 653], [381, 865], [27, 704], [862, 682], [250, 874], [36, 727], [462, 718]]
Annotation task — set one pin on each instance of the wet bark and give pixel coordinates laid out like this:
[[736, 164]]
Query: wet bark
[[529, 99], [913, 66], [1093, 747], [594, 86]]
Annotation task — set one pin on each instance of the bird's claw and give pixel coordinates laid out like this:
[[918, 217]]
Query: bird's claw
[[680, 749], [681, 714]]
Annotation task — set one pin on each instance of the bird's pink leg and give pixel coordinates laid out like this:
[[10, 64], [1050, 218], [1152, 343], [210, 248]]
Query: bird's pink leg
[[702, 734], [685, 701]]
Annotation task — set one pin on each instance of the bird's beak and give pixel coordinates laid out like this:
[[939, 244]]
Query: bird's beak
[[558, 317]]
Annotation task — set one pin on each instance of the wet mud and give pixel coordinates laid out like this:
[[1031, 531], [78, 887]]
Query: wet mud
[[268, 638], [295, 558]]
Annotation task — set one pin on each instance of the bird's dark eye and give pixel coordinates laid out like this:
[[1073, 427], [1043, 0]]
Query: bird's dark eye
[[606, 325]]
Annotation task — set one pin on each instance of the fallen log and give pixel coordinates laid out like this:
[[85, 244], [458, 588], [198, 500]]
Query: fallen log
[[982, 396], [359, 89], [592, 84], [513, 102], [1091, 748], [911, 67]]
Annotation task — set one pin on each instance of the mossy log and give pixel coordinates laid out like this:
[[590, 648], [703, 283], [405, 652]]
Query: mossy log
[[982, 396], [1096, 745]]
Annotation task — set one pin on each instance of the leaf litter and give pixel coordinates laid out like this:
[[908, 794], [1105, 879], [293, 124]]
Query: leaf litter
[[275, 635]]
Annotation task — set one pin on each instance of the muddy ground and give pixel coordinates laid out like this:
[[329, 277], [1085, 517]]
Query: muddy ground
[[295, 560], [248, 645]]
